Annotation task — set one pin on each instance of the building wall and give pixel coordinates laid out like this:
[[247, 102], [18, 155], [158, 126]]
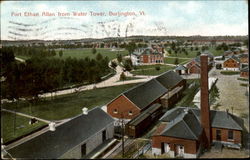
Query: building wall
[[145, 59], [244, 74], [123, 106], [224, 135], [91, 143], [190, 146], [194, 69], [230, 63]]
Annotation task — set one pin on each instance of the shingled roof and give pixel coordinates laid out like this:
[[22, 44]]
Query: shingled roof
[[219, 119], [180, 67], [169, 79], [244, 69], [144, 94], [186, 126], [52, 145]]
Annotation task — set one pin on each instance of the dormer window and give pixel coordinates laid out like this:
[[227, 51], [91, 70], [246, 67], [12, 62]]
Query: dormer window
[[115, 111], [130, 113]]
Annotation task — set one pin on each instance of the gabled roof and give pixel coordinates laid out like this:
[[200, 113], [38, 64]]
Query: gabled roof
[[245, 69], [169, 79], [219, 119], [186, 126], [180, 67], [144, 94], [52, 145], [234, 58], [209, 54]]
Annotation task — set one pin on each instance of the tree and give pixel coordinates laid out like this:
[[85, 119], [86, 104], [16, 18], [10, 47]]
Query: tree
[[157, 68], [119, 58], [198, 53], [131, 48], [122, 77], [128, 65], [191, 48], [176, 61], [169, 51], [99, 57], [60, 53], [113, 64], [94, 50]]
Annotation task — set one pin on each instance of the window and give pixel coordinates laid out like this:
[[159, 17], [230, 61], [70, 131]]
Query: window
[[115, 111], [230, 134], [130, 113]]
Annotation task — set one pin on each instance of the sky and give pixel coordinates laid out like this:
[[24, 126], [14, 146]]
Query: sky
[[157, 18]]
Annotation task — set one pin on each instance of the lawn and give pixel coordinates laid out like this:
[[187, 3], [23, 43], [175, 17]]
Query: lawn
[[22, 126], [61, 107], [150, 70], [192, 54], [87, 52], [171, 60]]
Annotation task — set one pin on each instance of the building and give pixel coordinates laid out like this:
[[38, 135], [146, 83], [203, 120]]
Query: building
[[244, 72], [74, 139], [180, 69], [137, 126], [232, 63], [145, 56], [243, 60], [132, 102], [186, 132], [181, 133], [194, 65]]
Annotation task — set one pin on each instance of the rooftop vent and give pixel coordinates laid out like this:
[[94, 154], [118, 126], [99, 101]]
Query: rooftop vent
[[52, 126], [85, 111], [186, 110]]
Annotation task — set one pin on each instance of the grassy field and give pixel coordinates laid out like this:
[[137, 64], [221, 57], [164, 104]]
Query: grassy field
[[150, 70], [22, 126], [171, 60], [87, 52], [192, 54], [61, 107]]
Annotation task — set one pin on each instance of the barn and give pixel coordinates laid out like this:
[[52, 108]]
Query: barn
[[74, 139], [132, 102]]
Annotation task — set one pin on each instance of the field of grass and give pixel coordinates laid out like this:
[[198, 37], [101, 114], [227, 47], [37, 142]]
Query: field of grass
[[22, 126], [171, 60], [150, 70], [87, 52], [61, 107], [192, 54]]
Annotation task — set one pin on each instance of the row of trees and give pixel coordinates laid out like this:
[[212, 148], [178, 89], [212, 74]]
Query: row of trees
[[40, 74]]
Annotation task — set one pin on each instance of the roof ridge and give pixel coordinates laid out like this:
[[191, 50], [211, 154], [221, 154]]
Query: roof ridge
[[188, 127]]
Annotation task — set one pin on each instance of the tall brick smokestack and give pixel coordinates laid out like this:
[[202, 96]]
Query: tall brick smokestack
[[205, 109]]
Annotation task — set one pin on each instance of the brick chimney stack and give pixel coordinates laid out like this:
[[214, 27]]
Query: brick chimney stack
[[205, 108]]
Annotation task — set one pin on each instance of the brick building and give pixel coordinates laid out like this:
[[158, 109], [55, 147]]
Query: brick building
[[244, 72], [74, 139], [185, 132], [132, 102], [232, 63], [194, 65], [144, 56]]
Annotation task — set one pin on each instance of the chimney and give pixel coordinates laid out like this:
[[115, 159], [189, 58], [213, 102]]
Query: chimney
[[205, 108], [85, 111]]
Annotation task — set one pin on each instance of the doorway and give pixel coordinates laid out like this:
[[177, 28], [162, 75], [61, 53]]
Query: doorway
[[83, 149], [218, 135], [103, 135]]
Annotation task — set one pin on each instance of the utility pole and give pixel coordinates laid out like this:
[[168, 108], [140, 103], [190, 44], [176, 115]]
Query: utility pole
[[122, 136]]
